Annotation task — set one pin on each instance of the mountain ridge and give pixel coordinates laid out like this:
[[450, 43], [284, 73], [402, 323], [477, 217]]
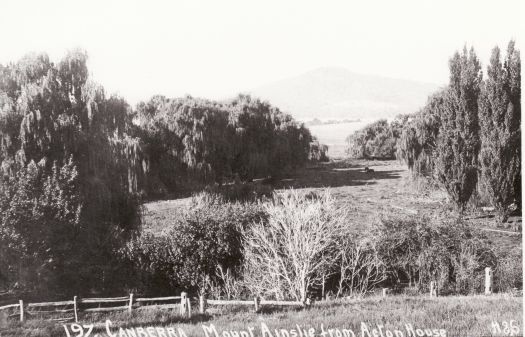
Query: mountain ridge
[[338, 93]]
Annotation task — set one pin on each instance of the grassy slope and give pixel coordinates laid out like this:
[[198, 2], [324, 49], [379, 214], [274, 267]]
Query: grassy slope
[[459, 316]]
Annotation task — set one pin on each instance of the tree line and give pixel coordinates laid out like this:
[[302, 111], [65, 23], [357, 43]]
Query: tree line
[[377, 140], [75, 164], [468, 136], [190, 141]]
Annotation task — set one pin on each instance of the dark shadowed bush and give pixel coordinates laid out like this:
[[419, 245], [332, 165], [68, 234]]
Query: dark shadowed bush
[[187, 257], [421, 250], [318, 151], [508, 275], [239, 192]]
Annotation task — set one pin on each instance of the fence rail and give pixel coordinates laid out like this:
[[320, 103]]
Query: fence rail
[[129, 303], [182, 302]]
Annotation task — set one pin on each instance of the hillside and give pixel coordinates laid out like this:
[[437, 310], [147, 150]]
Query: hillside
[[337, 93]]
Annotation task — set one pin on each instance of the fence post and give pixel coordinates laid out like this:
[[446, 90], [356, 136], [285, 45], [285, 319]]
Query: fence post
[[488, 281], [21, 310], [202, 304], [322, 291], [433, 289], [75, 308], [188, 306], [384, 292], [256, 301], [183, 303], [130, 306]]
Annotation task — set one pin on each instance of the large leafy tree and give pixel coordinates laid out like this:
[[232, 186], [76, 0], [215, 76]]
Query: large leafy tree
[[376, 140], [418, 140], [268, 141], [53, 115], [190, 141], [500, 121]]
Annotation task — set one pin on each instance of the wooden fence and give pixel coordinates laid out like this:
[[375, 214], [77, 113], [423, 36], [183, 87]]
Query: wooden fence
[[126, 303], [182, 302], [434, 288]]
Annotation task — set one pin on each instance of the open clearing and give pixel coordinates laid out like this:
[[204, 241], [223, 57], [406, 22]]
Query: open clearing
[[388, 191]]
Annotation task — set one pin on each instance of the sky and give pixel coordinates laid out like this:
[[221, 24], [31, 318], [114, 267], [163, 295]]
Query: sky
[[216, 49]]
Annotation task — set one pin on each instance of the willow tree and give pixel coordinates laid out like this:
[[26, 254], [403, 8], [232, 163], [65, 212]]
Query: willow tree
[[459, 142], [418, 140], [500, 121], [267, 141], [53, 115]]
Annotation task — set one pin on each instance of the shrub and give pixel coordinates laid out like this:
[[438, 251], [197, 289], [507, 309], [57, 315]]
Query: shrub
[[39, 219], [289, 255], [358, 268], [508, 274], [205, 238], [420, 250]]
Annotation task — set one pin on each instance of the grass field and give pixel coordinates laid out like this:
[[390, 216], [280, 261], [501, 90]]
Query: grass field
[[367, 197], [458, 316]]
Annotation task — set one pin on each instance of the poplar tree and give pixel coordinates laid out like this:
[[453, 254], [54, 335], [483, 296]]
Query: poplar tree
[[500, 120], [459, 143]]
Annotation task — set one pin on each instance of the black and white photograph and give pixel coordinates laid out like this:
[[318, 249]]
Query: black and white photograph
[[250, 168]]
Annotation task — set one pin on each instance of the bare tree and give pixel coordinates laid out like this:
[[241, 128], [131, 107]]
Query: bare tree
[[360, 269], [288, 256]]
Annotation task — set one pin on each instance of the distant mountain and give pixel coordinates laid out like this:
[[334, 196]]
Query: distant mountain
[[337, 93]]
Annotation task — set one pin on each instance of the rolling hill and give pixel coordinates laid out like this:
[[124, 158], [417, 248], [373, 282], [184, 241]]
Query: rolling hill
[[337, 93]]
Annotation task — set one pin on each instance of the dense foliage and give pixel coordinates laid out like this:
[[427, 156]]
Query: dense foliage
[[75, 163], [418, 139], [468, 136], [318, 151], [40, 222], [187, 257], [458, 145], [69, 174], [191, 141], [500, 123], [377, 140], [420, 250], [298, 245]]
